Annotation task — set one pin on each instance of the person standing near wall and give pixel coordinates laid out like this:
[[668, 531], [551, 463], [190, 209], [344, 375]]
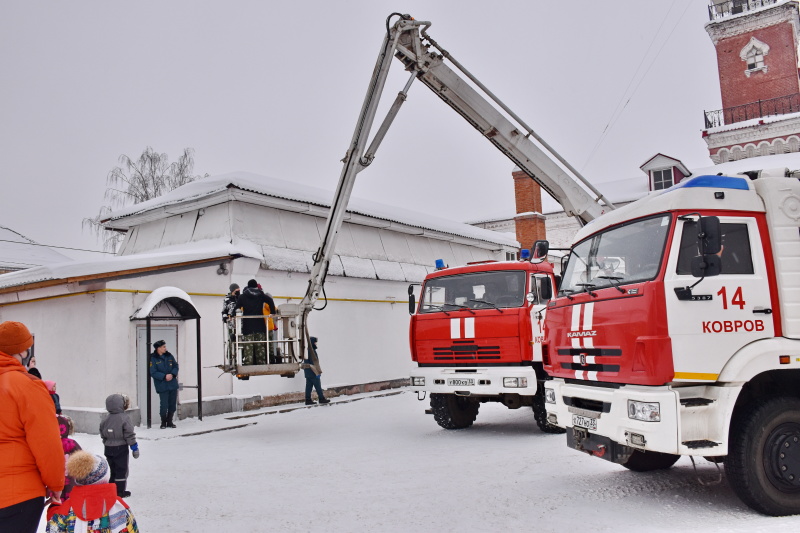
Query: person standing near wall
[[31, 457], [310, 369], [164, 370]]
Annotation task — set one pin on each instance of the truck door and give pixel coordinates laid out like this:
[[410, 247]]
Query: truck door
[[541, 290], [728, 311]]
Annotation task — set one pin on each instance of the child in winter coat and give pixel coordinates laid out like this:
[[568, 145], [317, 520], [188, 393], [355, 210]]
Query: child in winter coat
[[66, 428], [94, 506], [117, 434], [51, 388]]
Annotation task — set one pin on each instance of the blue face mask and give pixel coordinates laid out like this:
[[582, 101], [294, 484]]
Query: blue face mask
[[27, 359]]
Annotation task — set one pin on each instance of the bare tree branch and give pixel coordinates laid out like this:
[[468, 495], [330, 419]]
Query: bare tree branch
[[133, 182]]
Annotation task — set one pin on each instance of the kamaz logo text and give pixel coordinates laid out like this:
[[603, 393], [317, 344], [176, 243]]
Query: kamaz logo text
[[574, 334]]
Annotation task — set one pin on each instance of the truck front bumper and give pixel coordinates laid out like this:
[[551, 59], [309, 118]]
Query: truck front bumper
[[597, 418], [479, 381]]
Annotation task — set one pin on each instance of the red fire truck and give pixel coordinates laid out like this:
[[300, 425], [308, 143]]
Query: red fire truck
[[676, 331], [476, 337]]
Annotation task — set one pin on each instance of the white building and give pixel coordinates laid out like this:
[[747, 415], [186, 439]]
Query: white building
[[199, 239]]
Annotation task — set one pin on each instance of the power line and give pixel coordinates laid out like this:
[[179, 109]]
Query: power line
[[59, 247], [617, 111]]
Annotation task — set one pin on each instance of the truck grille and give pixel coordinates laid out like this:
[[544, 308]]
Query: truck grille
[[461, 350]]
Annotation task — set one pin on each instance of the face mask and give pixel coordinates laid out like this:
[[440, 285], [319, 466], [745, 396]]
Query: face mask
[[27, 359]]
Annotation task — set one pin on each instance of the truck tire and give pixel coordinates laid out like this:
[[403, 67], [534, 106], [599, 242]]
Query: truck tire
[[763, 463], [540, 414], [454, 412], [641, 461]]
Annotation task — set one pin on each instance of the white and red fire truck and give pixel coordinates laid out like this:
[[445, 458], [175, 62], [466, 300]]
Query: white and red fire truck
[[676, 331]]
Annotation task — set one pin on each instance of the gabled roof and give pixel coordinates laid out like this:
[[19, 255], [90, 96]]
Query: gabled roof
[[207, 188], [18, 252], [662, 161]]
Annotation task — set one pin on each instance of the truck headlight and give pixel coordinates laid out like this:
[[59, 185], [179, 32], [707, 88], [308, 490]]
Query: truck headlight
[[645, 411], [515, 383], [549, 395], [417, 381]]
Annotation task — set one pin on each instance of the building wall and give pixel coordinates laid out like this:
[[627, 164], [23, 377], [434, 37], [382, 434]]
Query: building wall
[[774, 28]]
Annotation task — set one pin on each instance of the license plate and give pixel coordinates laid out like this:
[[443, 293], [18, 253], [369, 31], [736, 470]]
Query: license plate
[[584, 422], [460, 382]]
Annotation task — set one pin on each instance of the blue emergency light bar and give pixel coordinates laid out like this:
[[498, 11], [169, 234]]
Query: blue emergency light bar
[[714, 182]]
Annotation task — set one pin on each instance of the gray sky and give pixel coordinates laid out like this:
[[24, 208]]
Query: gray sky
[[275, 88]]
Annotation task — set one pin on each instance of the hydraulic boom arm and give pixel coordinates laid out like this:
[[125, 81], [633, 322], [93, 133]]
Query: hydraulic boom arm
[[408, 41]]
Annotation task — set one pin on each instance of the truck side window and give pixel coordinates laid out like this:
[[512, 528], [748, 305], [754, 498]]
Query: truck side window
[[735, 255]]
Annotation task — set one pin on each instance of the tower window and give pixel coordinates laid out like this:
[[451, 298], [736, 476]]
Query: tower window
[[662, 179], [755, 59], [753, 55]]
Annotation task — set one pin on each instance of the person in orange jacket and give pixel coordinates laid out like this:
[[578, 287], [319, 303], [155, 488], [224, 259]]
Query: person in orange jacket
[[31, 456]]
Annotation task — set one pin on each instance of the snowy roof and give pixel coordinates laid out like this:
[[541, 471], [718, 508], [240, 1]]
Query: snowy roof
[[186, 253], [277, 188], [18, 252], [173, 295]]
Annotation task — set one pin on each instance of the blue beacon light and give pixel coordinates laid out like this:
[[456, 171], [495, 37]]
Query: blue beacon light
[[525, 254], [440, 264]]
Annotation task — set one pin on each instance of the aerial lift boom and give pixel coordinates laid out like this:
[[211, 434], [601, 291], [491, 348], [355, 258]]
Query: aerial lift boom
[[408, 41]]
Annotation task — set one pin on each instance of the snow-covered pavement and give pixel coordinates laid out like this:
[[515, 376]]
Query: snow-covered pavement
[[380, 464]]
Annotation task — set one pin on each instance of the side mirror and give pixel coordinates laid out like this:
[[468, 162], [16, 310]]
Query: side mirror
[[709, 235], [540, 249], [709, 240], [546, 290], [412, 303]]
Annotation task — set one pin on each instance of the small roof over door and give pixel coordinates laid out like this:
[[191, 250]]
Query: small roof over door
[[167, 303]]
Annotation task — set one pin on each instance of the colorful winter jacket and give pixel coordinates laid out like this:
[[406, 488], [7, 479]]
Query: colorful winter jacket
[[160, 366], [31, 457], [69, 446], [92, 509], [117, 429]]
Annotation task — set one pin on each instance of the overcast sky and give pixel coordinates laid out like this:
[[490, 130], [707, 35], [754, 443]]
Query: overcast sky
[[275, 88]]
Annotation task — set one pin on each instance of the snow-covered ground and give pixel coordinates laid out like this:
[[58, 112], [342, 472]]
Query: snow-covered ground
[[378, 463]]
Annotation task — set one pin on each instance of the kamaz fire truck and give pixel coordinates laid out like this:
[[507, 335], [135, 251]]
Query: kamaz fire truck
[[676, 331]]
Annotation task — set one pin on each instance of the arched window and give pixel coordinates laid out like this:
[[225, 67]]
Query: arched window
[[780, 146], [764, 148], [750, 150], [794, 144], [724, 156], [753, 55]]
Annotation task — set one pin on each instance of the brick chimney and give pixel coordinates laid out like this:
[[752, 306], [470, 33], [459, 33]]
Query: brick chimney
[[529, 219]]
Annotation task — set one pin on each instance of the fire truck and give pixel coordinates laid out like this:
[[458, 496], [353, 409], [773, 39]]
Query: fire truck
[[676, 331]]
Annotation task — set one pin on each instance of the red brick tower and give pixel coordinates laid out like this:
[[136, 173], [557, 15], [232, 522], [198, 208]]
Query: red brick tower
[[529, 220], [756, 43]]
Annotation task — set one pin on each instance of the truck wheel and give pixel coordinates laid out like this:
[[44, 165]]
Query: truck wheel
[[641, 461], [540, 414], [763, 463], [454, 412]]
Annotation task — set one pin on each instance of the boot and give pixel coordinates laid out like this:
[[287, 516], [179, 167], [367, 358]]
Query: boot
[[163, 421], [309, 401], [169, 420], [323, 400]]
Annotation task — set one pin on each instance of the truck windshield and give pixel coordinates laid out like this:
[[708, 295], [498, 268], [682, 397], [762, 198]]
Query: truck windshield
[[479, 290], [627, 253]]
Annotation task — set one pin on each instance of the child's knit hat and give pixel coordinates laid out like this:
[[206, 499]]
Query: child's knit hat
[[88, 469]]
